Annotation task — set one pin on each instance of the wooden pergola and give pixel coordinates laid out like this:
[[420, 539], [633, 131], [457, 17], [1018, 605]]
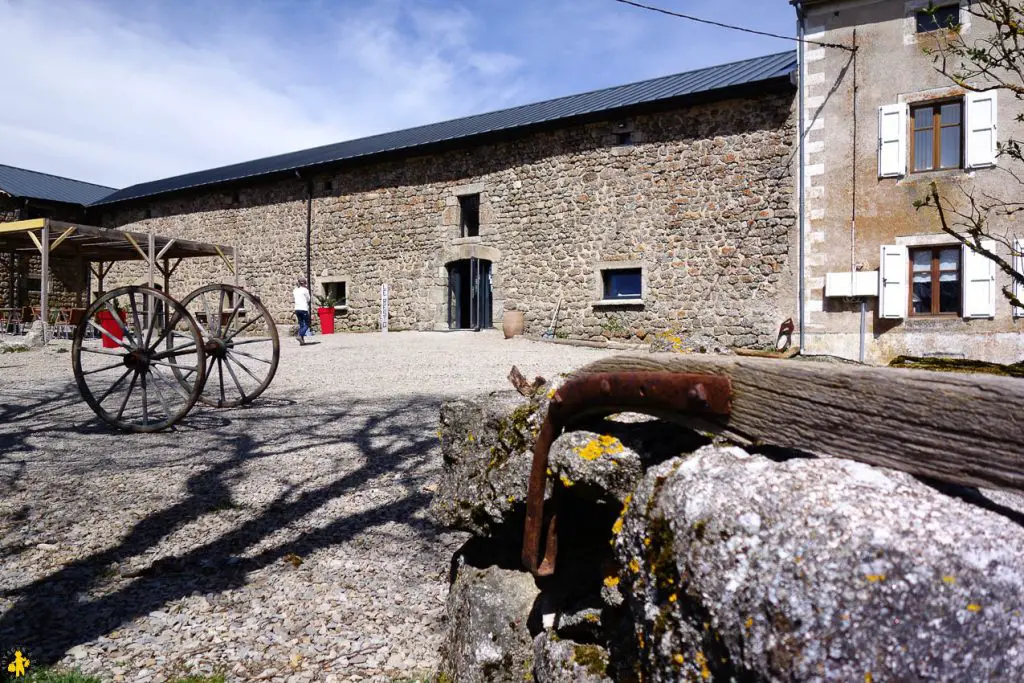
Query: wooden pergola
[[101, 247]]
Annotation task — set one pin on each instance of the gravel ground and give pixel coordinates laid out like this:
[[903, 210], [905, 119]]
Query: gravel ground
[[284, 541]]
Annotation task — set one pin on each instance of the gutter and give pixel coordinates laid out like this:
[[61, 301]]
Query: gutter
[[801, 135]]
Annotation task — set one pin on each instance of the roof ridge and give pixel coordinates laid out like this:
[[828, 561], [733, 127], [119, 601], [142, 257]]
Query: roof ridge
[[59, 177]]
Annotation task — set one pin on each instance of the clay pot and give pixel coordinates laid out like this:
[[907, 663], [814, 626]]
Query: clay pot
[[512, 323]]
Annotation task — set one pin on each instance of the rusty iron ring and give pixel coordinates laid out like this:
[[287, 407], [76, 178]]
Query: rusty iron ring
[[602, 394]]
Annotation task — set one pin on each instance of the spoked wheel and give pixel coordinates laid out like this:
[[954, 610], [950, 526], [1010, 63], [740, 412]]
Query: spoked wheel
[[241, 344], [140, 342]]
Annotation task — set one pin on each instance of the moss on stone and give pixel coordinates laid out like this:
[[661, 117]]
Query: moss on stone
[[592, 658]]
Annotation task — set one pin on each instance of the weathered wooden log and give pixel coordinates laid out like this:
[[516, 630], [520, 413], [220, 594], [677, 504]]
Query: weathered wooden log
[[957, 428]]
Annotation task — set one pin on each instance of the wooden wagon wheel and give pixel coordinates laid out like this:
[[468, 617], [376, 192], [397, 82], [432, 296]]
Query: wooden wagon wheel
[[241, 344], [140, 341]]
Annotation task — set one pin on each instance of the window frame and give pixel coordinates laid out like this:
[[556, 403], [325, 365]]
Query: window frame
[[464, 224], [935, 272], [606, 272], [339, 303], [936, 131], [938, 27]]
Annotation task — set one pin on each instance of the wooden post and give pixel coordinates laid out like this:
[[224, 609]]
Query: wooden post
[[152, 258], [44, 284]]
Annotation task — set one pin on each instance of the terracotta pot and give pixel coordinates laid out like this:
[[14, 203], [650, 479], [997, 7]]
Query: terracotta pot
[[326, 316], [512, 323]]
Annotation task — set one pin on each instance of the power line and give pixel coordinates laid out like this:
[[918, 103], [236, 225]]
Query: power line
[[734, 28]]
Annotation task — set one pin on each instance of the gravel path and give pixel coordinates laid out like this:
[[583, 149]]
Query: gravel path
[[285, 541]]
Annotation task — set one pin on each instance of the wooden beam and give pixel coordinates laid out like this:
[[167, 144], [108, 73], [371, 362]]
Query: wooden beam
[[965, 429], [21, 226], [64, 235], [39, 245]]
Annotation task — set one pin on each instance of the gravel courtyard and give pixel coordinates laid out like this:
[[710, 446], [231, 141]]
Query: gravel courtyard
[[284, 541]]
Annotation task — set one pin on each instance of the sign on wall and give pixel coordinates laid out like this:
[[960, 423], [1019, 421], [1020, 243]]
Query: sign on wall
[[384, 307]]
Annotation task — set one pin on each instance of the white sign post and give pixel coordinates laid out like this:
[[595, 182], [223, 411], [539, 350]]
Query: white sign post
[[384, 307]]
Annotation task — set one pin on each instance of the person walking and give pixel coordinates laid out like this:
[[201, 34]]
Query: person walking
[[302, 300]]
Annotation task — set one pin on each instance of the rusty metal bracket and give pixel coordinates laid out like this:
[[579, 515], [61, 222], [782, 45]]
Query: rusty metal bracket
[[602, 394]]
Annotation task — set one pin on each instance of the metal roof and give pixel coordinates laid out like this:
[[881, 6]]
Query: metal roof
[[689, 84], [19, 182]]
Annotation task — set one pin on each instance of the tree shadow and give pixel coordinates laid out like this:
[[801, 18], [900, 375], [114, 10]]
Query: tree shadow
[[77, 603]]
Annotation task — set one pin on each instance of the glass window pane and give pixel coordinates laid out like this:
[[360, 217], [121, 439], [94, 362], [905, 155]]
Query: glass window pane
[[923, 157], [950, 113], [922, 296], [951, 147], [922, 260], [949, 259], [949, 296], [923, 117], [622, 284]]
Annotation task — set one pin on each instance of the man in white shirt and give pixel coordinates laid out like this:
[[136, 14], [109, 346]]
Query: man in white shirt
[[302, 299]]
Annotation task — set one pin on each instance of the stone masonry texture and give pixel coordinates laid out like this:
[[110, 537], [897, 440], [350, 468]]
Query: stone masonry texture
[[702, 201]]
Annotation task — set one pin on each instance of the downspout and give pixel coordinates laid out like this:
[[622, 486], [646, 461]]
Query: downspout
[[802, 192], [309, 236]]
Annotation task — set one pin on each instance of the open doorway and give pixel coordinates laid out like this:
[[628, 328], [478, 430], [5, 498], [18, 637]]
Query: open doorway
[[469, 294]]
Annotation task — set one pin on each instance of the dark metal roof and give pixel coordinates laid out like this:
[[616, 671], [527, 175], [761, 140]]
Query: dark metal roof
[[691, 83], [19, 182]]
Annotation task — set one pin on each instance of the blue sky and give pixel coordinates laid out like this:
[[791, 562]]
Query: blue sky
[[122, 91]]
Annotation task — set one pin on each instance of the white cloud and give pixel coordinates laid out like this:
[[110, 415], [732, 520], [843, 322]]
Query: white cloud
[[116, 100]]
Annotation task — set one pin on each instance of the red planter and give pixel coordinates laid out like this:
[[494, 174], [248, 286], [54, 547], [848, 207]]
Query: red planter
[[326, 316], [108, 323]]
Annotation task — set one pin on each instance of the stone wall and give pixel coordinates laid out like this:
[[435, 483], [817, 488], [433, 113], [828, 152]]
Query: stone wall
[[701, 200]]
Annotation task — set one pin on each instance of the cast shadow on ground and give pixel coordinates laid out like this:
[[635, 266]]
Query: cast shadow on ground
[[76, 604]]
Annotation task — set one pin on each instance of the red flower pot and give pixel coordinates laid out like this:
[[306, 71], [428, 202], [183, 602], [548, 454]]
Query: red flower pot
[[115, 330], [326, 316]]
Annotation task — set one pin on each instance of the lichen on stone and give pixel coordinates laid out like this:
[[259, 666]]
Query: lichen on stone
[[592, 658]]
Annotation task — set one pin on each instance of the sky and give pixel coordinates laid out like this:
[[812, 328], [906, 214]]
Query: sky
[[118, 92]]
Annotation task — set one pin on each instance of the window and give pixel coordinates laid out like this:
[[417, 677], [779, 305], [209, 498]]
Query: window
[[34, 284], [328, 186], [935, 281], [937, 18], [938, 136], [336, 290], [624, 138], [469, 215], [622, 283]]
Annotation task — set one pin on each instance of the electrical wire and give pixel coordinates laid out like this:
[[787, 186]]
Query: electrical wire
[[688, 17]]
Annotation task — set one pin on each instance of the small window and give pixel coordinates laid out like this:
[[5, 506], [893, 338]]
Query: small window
[[937, 142], [624, 138], [935, 281], [469, 215], [937, 18], [328, 186], [34, 284], [622, 283], [336, 290]]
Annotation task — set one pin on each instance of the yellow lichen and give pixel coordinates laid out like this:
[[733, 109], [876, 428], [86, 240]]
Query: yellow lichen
[[647, 541], [702, 662], [470, 438], [973, 607], [602, 445], [749, 622], [611, 581], [566, 481], [868, 678], [678, 659], [673, 597], [511, 499], [617, 527], [634, 566], [874, 578], [948, 579]]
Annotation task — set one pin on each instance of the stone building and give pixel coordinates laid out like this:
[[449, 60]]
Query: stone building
[[27, 194], [883, 124], [664, 205]]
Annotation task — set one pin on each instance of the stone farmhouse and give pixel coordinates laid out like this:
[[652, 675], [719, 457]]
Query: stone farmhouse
[[687, 205], [883, 124]]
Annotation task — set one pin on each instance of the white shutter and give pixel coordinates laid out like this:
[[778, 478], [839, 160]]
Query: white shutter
[[1018, 266], [979, 286], [892, 281], [892, 140], [980, 139]]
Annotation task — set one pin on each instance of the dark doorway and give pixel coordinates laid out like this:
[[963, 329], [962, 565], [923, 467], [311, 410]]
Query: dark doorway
[[469, 294]]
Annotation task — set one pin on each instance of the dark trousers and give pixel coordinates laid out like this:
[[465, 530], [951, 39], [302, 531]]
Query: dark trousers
[[303, 317]]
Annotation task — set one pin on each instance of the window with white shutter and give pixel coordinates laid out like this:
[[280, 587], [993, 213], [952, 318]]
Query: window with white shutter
[[892, 281], [979, 286], [1018, 266], [892, 140], [980, 139]]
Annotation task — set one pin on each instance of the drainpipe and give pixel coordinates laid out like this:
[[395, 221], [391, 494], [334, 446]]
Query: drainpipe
[[309, 235], [802, 67]]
